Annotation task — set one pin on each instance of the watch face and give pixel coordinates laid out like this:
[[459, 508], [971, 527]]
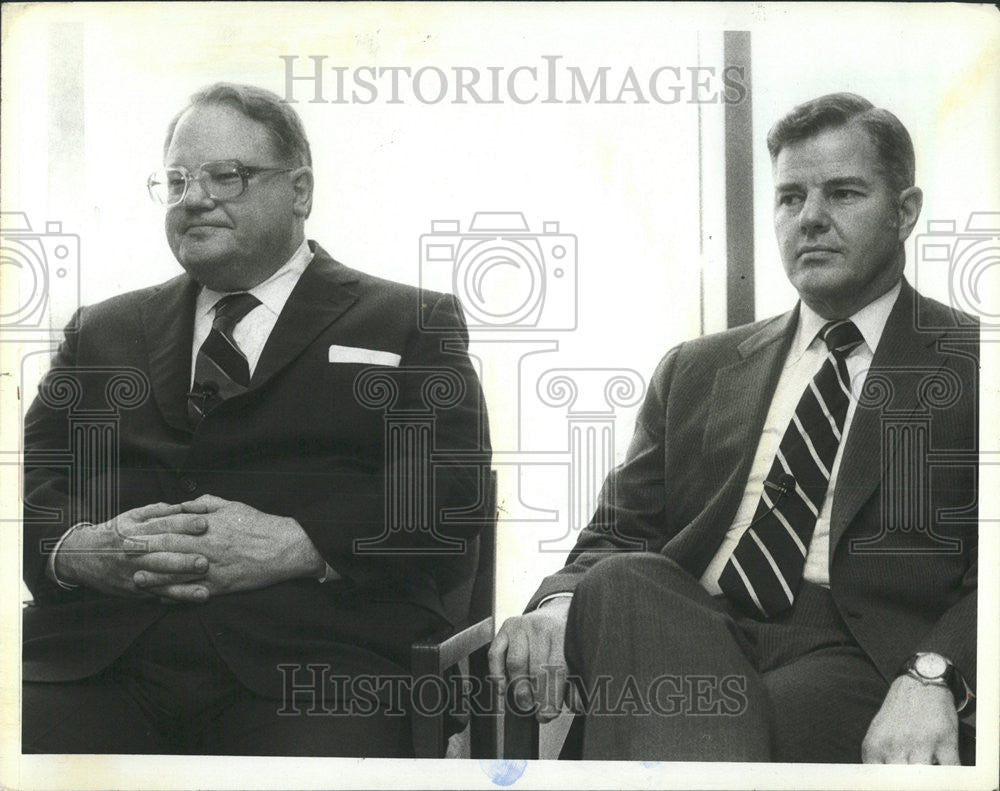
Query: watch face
[[930, 666]]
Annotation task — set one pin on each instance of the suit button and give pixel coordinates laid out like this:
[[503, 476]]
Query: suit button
[[189, 484], [852, 614]]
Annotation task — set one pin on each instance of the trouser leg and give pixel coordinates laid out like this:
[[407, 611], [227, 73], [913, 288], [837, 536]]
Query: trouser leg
[[171, 693], [251, 726], [641, 627], [824, 690], [91, 716]]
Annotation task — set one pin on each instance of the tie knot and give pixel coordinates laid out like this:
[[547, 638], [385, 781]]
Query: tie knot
[[841, 337], [230, 310]]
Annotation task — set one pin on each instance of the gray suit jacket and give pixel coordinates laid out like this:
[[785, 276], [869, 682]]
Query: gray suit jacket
[[904, 540]]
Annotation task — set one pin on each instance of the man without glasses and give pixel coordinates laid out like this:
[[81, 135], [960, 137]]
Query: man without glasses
[[797, 542], [243, 479]]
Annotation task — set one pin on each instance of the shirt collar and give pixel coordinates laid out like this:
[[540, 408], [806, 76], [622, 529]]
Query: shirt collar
[[870, 321], [273, 292]]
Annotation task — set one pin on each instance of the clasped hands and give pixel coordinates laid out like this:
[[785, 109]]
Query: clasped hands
[[188, 551]]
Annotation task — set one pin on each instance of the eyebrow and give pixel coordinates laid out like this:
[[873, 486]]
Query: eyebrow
[[843, 181]]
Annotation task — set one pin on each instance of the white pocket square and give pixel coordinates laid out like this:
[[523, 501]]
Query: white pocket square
[[355, 354]]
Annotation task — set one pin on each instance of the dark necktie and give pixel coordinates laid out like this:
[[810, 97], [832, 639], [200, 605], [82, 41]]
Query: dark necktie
[[765, 570], [221, 370]]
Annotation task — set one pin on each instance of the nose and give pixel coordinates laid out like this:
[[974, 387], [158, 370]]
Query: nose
[[813, 217], [197, 196]]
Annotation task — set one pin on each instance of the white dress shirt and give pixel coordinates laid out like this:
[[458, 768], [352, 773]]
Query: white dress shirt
[[805, 358]]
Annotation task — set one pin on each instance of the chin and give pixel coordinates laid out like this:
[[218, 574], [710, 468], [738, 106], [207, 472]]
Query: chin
[[824, 288], [826, 279], [210, 272]]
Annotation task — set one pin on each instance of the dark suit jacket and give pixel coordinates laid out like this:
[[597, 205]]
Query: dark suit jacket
[[298, 443], [908, 587]]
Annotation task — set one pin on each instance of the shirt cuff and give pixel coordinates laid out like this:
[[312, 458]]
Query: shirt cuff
[[329, 575], [968, 704], [51, 563], [551, 596]]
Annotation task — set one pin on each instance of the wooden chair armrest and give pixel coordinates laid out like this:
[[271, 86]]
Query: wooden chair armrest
[[432, 658], [429, 656]]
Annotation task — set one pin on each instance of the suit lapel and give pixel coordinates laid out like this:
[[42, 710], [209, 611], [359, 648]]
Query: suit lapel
[[318, 299], [168, 323], [741, 396], [736, 420], [902, 352]]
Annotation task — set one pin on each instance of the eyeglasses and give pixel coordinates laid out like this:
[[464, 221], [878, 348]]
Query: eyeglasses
[[222, 180]]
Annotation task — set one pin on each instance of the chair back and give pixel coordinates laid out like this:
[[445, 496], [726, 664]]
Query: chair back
[[469, 595]]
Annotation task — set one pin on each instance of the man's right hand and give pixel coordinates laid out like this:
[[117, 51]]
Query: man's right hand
[[93, 555], [528, 651]]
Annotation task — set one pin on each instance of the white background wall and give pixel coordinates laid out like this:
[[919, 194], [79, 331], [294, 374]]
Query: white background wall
[[622, 179], [638, 185]]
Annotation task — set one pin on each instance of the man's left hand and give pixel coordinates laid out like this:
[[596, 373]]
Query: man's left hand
[[917, 724], [246, 549]]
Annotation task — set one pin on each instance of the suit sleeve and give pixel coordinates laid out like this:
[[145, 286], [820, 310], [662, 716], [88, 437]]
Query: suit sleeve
[[48, 511], [444, 475], [632, 513], [954, 634]]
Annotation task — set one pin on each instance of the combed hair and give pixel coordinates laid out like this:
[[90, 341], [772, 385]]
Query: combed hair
[[282, 122], [891, 140]]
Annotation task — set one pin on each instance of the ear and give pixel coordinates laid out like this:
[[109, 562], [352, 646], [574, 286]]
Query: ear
[[302, 183], [911, 200]]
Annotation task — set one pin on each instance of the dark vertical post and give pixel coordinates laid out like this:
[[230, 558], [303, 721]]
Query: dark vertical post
[[739, 185]]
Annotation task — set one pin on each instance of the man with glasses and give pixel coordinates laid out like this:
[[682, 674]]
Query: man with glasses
[[201, 590]]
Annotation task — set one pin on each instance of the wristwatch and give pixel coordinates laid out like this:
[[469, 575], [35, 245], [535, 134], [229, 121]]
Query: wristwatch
[[934, 670]]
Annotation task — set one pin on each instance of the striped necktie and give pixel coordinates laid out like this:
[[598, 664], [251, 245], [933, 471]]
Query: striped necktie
[[221, 369], [765, 569]]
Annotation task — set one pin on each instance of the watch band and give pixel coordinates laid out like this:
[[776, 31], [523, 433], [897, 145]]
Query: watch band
[[951, 678]]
